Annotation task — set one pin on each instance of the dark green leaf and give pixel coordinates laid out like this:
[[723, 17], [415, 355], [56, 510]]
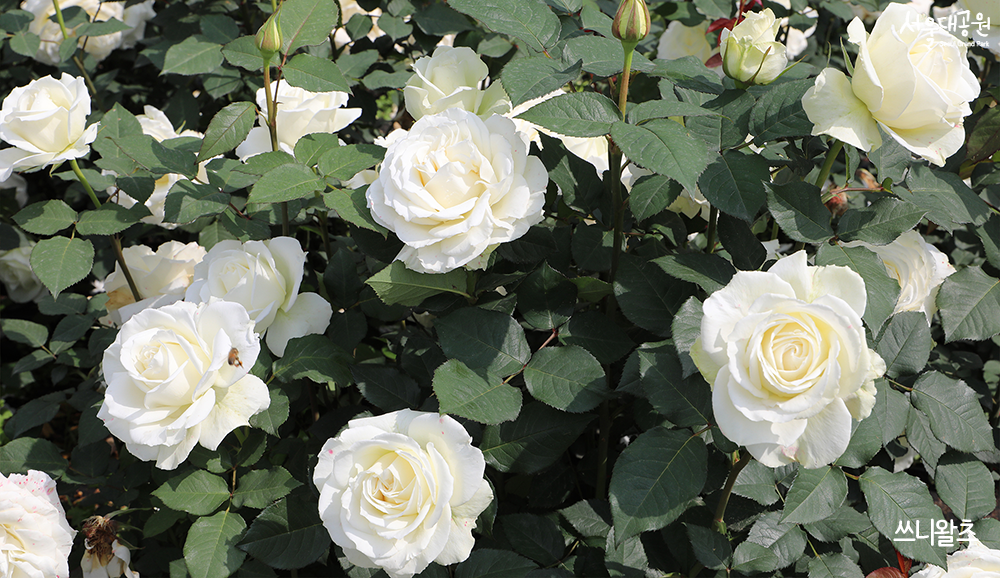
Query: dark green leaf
[[834, 565], [652, 194], [922, 439], [778, 112], [711, 548], [259, 488], [989, 234], [437, 19], [954, 411], [948, 201], [386, 387], [397, 285], [685, 402], [24, 331], [969, 301], [905, 344], [286, 183], [46, 217], [891, 159], [895, 499], [313, 357], [530, 21], [479, 397], [688, 72], [311, 147], [799, 211], [109, 219], [579, 114], [747, 252], [534, 536], [882, 290], [344, 162], [710, 272], [103, 27], [60, 262], [592, 331], [546, 298], [890, 411], [664, 147], [881, 223], [351, 206], [210, 547], [36, 412], [193, 55], [601, 56], [647, 295], [315, 74], [815, 495], [484, 339], [734, 182], [965, 484], [528, 78], [228, 128], [219, 28], [188, 200], [984, 139], [533, 441], [276, 413], [23, 454], [25, 43], [198, 493], [307, 22], [487, 563], [665, 109], [566, 378], [844, 522], [243, 52]]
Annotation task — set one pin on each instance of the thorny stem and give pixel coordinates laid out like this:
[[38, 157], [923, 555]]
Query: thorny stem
[[720, 511], [831, 156]]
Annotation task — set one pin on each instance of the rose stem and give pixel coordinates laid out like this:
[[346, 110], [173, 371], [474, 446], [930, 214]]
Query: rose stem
[[831, 156], [272, 128], [713, 224], [84, 182], [79, 63], [720, 511]]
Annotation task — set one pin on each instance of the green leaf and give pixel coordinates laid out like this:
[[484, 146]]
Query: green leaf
[[103, 27], [528, 78], [891, 159], [734, 182], [984, 138], [60, 262], [797, 208], [783, 541], [286, 183], [657, 472], [711, 548], [710, 272], [688, 72], [665, 109], [344, 162], [307, 23], [198, 493], [29, 332], [16, 20], [534, 536], [219, 28], [379, 79], [546, 298], [989, 234], [483, 339], [592, 246], [601, 56], [188, 200], [922, 439], [965, 484], [25, 43], [664, 147], [579, 114], [36, 412], [905, 344], [386, 387], [778, 112], [647, 295], [260, 488], [193, 55], [479, 397], [228, 128], [592, 331], [948, 201], [530, 21], [395, 28], [567, 378], [46, 217], [437, 19], [895, 499], [109, 219], [311, 147], [880, 223], [815, 495], [23, 454], [275, 415], [866, 441], [882, 290], [758, 483], [243, 52], [890, 411], [210, 547], [397, 285], [844, 522], [747, 252], [685, 402], [956, 417], [315, 74], [487, 563], [652, 194], [834, 565], [686, 329], [313, 357], [287, 534], [533, 441], [352, 206], [969, 301]]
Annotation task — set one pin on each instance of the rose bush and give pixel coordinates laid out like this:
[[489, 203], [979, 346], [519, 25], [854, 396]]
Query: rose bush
[[46, 121], [161, 277], [401, 490], [786, 354], [455, 187], [99, 47], [18, 279], [749, 51], [453, 78], [36, 539], [174, 380], [911, 78]]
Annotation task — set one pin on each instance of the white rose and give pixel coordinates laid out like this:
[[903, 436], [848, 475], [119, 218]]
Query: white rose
[[750, 53], [46, 121], [114, 566], [136, 17], [19, 186], [690, 204], [918, 266], [348, 8], [18, 279], [911, 78], [161, 277], [97, 46], [299, 112], [786, 354], [982, 12], [455, 187], [679, 41], [453, 78], [402, 490], [178, 376], [263, 277], [35, 538], [975, 561]]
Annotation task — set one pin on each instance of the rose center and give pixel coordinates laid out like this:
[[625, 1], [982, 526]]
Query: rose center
[[790, 356]]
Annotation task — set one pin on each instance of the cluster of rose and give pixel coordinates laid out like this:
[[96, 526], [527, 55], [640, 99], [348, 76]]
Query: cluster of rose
[[491, 266]]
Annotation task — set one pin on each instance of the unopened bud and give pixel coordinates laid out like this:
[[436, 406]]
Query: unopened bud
[[269, 37], [631, 22]]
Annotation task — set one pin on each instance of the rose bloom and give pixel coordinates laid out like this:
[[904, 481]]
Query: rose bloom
[[156, 124], [348, 8], [178, 376], [46, 121], [453, 78], [300, 112], [35, 538], [918, 266], [18, 279], [975, 561], [679, 41], [455, 187], [786, 355], [263, 277], [161, 277], [19, 186], [981, 12], [99, 47], [750, 52], [114, 566], [911, 78], [402, 490]]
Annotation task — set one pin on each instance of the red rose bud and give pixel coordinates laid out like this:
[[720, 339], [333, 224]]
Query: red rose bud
[[631, 22], [268, 38]]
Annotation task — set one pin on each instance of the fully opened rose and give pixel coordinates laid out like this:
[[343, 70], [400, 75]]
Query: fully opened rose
[[975, 561], [46, 121], [911, 78], [786, 355], [161, 277], [179, 376], [455, 187], [402, 490], [35, 538], [263, 277]]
